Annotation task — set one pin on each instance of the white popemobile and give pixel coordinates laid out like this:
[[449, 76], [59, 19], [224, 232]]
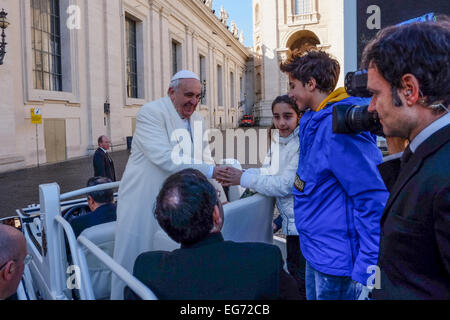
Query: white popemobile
[[66, 268]]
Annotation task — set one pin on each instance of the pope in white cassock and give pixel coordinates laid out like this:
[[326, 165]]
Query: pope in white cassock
[[154, 157]]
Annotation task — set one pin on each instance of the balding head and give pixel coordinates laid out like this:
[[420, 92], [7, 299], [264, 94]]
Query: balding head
[[12, 243], [104, 142], [13, 250]]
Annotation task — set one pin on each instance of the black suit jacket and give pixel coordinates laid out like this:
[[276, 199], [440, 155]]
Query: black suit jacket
[[104, 214], [389, 171], [215, 269], [414, 256], [103, 165]]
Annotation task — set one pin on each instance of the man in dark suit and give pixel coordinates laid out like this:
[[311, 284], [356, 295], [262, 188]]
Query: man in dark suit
[[206, 266], [103, 164], [101, 203], [409, 76]]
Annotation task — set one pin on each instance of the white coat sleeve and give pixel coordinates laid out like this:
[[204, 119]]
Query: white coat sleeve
[[271, 185], [151, 137]]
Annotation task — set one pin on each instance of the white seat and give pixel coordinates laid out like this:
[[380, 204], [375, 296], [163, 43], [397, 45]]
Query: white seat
[[249, 219], [102, 236]]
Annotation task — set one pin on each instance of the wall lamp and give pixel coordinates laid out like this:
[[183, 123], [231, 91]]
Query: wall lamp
[[3, 25]]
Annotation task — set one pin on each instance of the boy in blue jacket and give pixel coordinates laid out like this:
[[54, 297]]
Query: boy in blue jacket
[[339, 195]]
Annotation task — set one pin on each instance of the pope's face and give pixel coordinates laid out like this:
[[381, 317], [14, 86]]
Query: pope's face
[[185, 98]]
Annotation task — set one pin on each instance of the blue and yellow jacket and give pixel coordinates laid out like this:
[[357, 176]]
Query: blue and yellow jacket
[[339, 195]]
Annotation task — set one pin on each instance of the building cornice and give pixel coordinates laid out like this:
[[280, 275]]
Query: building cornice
[[205, 14]]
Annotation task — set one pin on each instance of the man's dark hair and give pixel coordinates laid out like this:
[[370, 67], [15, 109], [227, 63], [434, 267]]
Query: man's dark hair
[[103, 196], [316, 64], [185, 205], [100, 139], [422, 49]]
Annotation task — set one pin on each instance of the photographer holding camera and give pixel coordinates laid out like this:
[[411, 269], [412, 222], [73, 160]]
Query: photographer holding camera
[[339, 195], [409, 76]]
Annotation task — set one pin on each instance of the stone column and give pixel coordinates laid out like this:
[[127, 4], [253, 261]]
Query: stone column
[[290, 10], [114, 91], [313, 6], [11, 91], [165, 50], [226, 90], [210, 86], [187, 57], [155, 54], [283, 82]]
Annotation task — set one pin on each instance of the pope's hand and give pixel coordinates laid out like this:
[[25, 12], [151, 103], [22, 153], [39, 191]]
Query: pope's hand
[[229, 176]]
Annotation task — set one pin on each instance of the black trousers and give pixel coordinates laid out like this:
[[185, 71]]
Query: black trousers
[[296, 263]]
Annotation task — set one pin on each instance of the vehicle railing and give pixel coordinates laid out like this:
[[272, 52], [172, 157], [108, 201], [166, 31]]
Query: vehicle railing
[[26, 292], [86, 292], [79, 192], [56, 227], [134, 284], [79, 259]]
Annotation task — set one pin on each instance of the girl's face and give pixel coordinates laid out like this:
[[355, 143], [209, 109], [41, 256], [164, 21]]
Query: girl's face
[[285, 119]]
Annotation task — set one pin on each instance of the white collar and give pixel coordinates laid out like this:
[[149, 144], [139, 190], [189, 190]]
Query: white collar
[[428, 131]]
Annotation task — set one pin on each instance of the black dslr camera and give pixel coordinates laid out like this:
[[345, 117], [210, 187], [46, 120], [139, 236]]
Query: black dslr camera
[[354, 119]]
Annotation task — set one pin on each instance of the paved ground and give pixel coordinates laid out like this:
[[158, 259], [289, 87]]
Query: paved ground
[[20, 188]]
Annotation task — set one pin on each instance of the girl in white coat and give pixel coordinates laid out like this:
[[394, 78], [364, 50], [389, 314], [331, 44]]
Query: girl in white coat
[[279, 182]]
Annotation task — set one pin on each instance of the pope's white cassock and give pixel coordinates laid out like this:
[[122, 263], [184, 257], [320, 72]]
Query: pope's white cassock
[[154, 157]]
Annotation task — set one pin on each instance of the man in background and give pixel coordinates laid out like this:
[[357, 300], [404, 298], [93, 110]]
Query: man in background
[[103, 163], [102, 206]]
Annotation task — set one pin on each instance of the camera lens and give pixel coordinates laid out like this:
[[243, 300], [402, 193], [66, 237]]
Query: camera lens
[[356, 84], [355, 119], [360, 119]]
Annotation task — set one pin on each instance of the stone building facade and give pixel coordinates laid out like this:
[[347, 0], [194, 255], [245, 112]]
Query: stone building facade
[[282, 25], [89, 65]]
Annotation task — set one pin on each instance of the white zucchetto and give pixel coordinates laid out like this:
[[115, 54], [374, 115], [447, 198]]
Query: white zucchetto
[[185, 74]]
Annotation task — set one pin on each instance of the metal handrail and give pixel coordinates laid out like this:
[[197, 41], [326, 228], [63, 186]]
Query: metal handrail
[[86, 292], [99, 187], [138, 287]]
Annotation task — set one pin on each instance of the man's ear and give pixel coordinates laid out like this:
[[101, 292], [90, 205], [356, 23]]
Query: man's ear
[[311, 85], [217, 219], [411, 89], [171, 92], [8, 270], [91, 203]]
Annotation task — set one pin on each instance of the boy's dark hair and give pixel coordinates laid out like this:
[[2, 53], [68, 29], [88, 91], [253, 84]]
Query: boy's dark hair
[[422, 49], [103, 196], [313, 63], [185, 205]]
